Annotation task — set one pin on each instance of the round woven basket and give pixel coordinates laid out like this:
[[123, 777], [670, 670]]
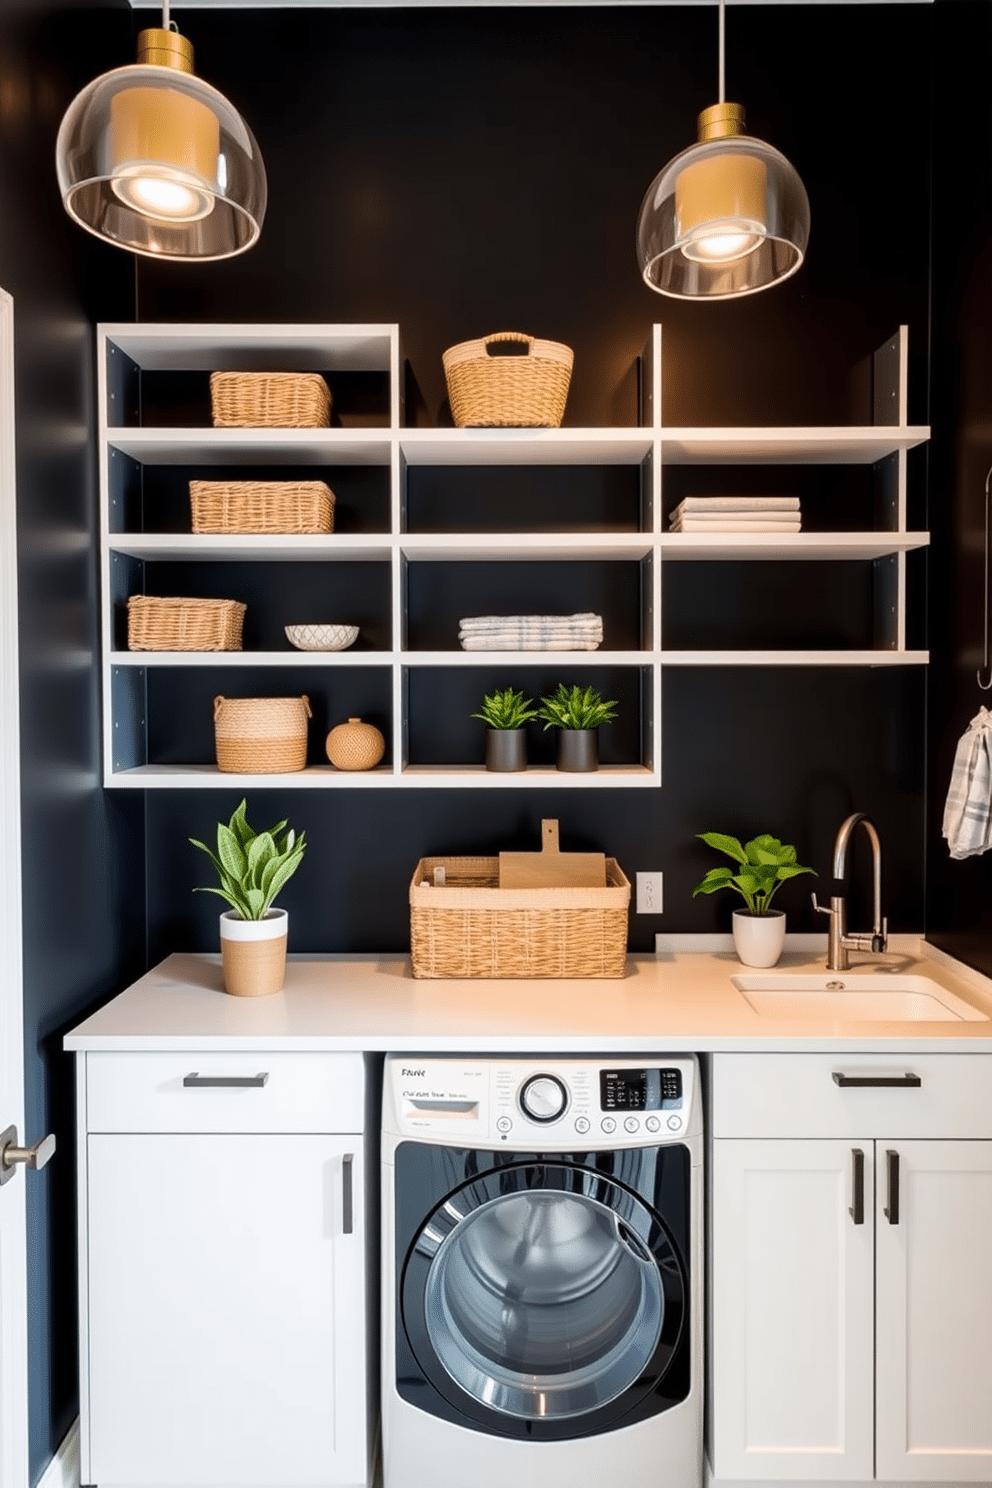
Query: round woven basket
[[355, 745], [526, 391], [261, 736]]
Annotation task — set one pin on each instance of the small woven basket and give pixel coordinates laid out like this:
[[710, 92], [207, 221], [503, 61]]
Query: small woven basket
[[261, 506], [261, 736], [184, 624], [470, 927], [489, 391], [269, 400]]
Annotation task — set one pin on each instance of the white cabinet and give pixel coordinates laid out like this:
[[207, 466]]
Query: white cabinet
[[226, 1311], [850, 1295], [388, 564]]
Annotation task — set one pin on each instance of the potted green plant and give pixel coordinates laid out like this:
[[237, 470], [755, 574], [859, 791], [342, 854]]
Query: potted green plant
[[763, 865], [504, 714], [252, 868], [576, 712]]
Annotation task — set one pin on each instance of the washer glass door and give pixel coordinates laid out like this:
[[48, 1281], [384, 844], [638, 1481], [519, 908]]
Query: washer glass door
[[544, 1292]]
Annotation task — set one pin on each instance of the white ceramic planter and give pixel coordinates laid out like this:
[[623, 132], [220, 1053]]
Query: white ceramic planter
[[253, 953], [759, 939]]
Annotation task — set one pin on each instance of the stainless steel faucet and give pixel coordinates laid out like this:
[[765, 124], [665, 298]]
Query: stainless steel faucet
[[840, 941]]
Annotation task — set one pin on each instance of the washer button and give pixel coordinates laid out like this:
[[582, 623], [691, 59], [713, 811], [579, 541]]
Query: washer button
[[504, 1124], [631, 1124], [653, 1124], [674, 1123], [608, 1124], [581, 1125]]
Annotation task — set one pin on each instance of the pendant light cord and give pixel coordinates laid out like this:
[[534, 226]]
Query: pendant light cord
[[723, 51], [167, 24], [986, 686]]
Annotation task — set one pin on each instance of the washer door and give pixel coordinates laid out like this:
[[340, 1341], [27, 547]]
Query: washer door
[[543, 1293]]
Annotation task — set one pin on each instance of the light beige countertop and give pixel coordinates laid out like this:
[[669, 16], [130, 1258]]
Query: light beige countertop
[[681, 998]]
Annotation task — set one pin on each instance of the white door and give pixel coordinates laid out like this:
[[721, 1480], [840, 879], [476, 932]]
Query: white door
[[13, 1275], [934, 1324], [226, 1310], [791, 1310]]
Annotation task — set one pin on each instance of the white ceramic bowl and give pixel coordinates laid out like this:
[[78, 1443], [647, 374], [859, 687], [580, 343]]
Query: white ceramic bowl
[[321, 637]]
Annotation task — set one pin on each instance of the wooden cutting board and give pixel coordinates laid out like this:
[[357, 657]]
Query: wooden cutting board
[[550, 868]]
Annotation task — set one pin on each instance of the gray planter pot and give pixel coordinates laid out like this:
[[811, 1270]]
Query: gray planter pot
[[506, 749], [578, 749]]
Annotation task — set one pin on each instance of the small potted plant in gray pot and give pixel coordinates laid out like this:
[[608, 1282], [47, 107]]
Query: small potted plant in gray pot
[[252, 868], [763, 865], [504, 714], [576, 712]]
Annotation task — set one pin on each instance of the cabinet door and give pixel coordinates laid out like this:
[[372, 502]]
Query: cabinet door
[[226, 1310], [791, 1310], [934, 1324]]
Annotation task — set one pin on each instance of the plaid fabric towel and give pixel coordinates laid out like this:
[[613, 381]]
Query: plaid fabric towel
[[968, 810], [582, 632]]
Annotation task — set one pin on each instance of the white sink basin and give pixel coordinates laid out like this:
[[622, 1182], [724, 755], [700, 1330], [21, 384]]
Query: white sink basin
[[859, 996]]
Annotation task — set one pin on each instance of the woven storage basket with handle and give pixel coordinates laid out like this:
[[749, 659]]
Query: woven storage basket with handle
[[261, 506], [261, 736], [527, 391], [470, 927], [269, 400], [184, 624]]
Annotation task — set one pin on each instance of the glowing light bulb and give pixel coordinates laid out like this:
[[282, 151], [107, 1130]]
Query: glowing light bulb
[[164, 196], [723, 244]]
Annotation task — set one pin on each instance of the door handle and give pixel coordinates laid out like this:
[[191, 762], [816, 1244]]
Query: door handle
[[857, 1209], [197, 1081], [894, 1082], [892, 1169], [347, 1193], [32, 1157]]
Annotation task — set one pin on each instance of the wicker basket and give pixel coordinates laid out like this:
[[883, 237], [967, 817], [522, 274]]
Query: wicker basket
[[184, 624], [261, 506], [269, 400], [261, 736], [508, 391], [470, 927]]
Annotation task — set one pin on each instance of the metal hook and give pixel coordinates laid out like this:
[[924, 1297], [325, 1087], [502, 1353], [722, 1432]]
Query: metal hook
[[985, 667]]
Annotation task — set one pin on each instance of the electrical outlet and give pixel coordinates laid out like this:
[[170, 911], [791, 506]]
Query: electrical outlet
[[649, 897]]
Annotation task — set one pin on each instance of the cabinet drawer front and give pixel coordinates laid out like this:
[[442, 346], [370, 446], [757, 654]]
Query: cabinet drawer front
[[851, 1095], [225, 1092]]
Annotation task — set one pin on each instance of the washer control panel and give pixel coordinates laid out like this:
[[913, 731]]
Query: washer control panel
[[553, 1104]]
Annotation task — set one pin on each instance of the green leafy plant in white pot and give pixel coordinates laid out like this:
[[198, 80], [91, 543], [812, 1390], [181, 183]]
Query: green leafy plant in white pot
[[763, 865], [252, 868], [577, 712], [504, 714]]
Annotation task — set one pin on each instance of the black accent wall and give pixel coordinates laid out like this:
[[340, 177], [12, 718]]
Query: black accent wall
[[472, 170], [82, 850]]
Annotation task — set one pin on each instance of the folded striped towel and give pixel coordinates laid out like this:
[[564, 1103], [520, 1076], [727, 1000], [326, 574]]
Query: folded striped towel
[[968, 809], [581, 632]]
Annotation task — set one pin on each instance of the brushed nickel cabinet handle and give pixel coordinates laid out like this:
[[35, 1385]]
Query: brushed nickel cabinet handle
[[857, 1209], [892, 1082], [195, 1081]]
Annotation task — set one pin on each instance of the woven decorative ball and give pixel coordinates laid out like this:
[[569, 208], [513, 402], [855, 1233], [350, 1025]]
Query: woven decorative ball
[[355, 745]]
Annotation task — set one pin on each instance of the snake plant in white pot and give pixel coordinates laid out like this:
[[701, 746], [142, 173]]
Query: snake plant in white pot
[[252, 868]]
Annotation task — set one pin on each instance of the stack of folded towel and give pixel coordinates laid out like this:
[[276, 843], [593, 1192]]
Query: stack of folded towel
[[531, 632], [737, 514]]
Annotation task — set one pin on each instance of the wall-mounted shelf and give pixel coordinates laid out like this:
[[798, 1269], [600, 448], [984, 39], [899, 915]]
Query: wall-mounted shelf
[[405, 560]]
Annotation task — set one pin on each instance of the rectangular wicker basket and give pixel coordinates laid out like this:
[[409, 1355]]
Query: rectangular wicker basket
[[184, 624], [517, 392], [470, 927], [261, 506], [269, 400]]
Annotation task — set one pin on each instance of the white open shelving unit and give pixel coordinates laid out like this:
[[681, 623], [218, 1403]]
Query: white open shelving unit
[[128, 448]]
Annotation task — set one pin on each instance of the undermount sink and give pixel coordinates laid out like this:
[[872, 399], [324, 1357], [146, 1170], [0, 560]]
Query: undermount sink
[[865, 996]]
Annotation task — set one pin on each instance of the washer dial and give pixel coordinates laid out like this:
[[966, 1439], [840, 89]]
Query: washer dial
[[543, 1097]]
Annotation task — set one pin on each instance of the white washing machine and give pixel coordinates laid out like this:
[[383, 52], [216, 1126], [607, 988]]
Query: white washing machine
[[542, 1272]]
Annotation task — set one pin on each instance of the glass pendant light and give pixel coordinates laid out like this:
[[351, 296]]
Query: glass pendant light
[[727, 217], [153, 159]]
